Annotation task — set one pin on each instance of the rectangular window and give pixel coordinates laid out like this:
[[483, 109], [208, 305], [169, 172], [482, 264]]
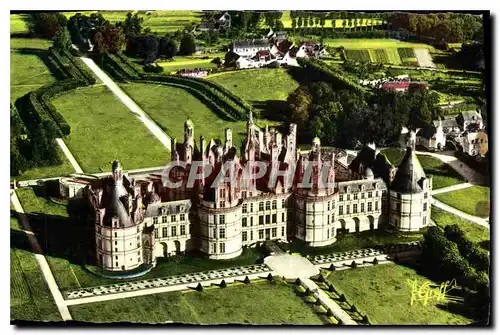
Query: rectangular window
[[251, 206], [164, 219], [274, 219], [398, 206], [156, 232], [183, 230], [283, 203], [222, 232], [215, 219], [362, 195], [243, 222], [370, 207], [214, 248], [369, 194], [354, 208], [274, 232], [425, 206], [116, 242], [275, 204], [251, 221], [251, 235], [244, 208], [261, 206], [222, 247], [341, 210], [222, 219], [173, 218], [183, 217], [355, 196], [116, 263], [425, 195], [174, 231], [268, 219], [116, 249], [261, 234], [244, 194], [221, 203], [261, 219], [348, 197], [376, 193], [244, 236], [341, 197], [282, 217], [214, 232], [268, 205], [347, 209], [155, 220], [376, 205], [362, 208], [282, 231], [116, 257], [164, 232]]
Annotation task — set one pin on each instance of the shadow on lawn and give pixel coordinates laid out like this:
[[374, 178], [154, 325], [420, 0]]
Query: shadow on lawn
[[44, 56]]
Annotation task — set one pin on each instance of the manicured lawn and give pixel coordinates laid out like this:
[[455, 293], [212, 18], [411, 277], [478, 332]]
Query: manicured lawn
[[355, 241], [382, 293], [30, 297], [18, 24], [257, 303], [442, 174], [473, 200], [474, 232], [257, 85], [104, 129], [191, 62], [170, 107]]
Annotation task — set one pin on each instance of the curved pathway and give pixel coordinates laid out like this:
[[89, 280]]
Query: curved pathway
[[451, 188], [127, 101], [475, 219]]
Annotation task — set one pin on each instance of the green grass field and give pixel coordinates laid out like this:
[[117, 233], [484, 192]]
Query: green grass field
[[382, 293], [257, 85], [191, 62], [442, 174], [18, 24], [104, 129], [170, 107], [375, 43], [257, 303], [30, 297], [474, 232], [160, 21], [473, 200]]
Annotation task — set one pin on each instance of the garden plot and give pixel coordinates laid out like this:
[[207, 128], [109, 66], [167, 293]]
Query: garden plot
[[424, 58]]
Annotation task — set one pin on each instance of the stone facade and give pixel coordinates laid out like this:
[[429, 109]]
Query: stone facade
[[140, 219]]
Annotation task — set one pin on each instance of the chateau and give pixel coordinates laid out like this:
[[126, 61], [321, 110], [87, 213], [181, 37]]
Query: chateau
[[137, 218]]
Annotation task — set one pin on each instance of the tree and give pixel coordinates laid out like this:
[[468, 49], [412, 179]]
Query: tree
[[109, 38], [132, 26], [46, 24], [167, 47], [62, 39], [217, 61], [300, 101], [188, 45]]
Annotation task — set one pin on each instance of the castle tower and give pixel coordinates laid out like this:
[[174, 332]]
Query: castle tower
[[117, 173], [188, 141], [229, 139]]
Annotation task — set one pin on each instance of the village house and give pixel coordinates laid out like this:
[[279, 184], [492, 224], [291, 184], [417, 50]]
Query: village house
[[250, 47], [193, 73]]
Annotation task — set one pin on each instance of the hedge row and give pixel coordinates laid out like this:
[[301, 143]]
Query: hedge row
[[56, 68], [133, 66], [85, 73], [66, 64], [126, 70]]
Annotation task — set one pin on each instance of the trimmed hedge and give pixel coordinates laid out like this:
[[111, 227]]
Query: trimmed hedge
[[85, 73], [66, 64], [118, 64]]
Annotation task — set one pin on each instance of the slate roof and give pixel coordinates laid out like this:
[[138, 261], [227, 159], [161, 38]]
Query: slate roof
[[114, 206], [409, 174]]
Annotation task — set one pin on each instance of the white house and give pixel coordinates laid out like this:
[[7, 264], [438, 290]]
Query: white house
[[250, 48]]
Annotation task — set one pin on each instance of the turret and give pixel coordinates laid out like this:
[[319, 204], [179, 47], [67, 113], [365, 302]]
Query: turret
[[117, 173]]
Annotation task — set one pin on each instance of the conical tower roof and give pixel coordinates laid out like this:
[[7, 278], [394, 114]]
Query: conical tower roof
[[409, 174]]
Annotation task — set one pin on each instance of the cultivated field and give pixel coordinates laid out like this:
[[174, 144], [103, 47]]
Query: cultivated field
[[257, 85], [382, 293], [255, 303], [170, 107], [474, 232], [103, 129], [473, 200]]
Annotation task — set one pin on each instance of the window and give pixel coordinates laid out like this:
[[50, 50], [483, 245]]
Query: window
[[261, 206], [214, 232], [328, 219], [244, 236], [137, 229], [348, 197], [215, 219], [222, 193], [214, 248], [244, 194], [328, 207], [425, 206], [376, 194], [156, 232], [341, 197], [261, 219], [268, 205], [347, 209], [164, 219], [116, 249], [243, 222], [251, 221], [174, 231], [354, 208], [341, 210], [282, 217], [370, 194], [222, 247], [261, 234], [251, 206], [283, 203], [251, 235], [398, 207], [222, 219], [222, 233], [268, 219], [275, 204], [355, 196], [362, 208], [221, 203], [116, 263], [183, 230], [183, 217], [274, 232], [376, 205], [282, 231], [155, 220], [425, 195], [369, 207], [116, 257], [244, 209], [173, 218], [328, 233], [274, 219], [116, 242], [362, 195], [164, 232]]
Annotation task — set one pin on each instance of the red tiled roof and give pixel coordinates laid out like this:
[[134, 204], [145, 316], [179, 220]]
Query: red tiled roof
[[396, 85], [263, 53]]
